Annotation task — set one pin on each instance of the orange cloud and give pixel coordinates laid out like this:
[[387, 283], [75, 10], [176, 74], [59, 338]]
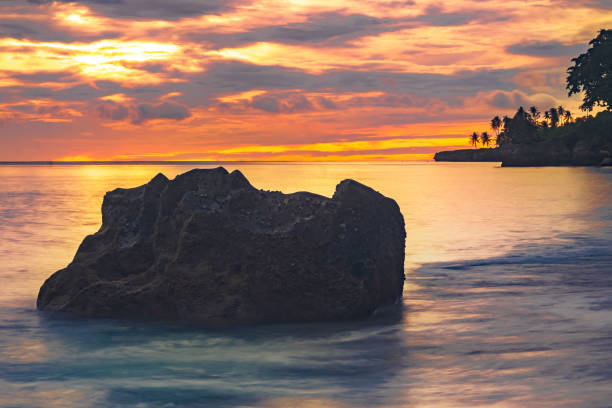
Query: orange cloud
[[276, 80]]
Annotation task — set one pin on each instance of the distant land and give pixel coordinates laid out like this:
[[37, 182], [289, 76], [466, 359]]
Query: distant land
[[534, 155], [524, 140], [554, 137]]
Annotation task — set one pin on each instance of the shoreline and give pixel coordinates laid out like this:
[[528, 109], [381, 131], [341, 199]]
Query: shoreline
[[532, 155]]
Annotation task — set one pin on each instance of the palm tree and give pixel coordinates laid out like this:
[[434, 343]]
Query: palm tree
[[547, 116], [506, 121], [474, 139], [535, 113], [485, 139], [496, 124], [560, 111], [504, 135], [554, 117], [568, 116]]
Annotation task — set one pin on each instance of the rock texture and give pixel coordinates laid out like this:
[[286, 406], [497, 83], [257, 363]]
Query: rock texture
[[207, 247], [535, 154]]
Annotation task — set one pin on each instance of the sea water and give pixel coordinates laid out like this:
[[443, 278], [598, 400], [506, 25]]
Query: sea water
[[507, 301]]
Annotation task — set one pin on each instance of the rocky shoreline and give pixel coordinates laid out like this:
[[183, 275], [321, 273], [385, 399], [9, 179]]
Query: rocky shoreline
[[535, 154]]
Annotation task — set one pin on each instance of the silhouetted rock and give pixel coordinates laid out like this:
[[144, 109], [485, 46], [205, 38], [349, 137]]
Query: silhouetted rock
[[207, 247]]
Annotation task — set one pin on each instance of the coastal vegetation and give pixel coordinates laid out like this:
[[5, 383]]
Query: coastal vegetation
[[557, 125], [591, 75]]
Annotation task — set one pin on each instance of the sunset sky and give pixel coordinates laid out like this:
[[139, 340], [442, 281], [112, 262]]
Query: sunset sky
[[277, 80]]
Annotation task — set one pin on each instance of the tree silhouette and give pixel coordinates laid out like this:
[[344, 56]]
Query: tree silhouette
[[485, 139], [592, 73], [535, 113], [554, 117], [496, 124], [560, 111], [568, 116], [474, 139], [523, 128], [506, 121]]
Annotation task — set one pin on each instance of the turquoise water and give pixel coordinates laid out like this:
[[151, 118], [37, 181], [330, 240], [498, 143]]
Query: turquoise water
[[507, 303]]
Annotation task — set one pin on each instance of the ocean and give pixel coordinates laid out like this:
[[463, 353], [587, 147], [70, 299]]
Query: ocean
[[507, 300]]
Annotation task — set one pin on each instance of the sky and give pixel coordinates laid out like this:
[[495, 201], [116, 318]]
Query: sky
[[277, 79]]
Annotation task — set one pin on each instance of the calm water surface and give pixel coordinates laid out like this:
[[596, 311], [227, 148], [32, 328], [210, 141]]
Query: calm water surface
[[507, 303]]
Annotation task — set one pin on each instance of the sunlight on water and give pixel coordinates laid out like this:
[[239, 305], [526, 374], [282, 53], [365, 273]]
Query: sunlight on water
[[507, 300]]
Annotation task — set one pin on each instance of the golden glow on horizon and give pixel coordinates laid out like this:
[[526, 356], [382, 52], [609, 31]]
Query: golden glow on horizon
[[349, 146], [277, 158], [77, 158]]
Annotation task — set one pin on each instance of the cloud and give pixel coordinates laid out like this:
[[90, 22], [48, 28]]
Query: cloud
[[546, 49], [288, 104], [350, 70], [164, 110], [44, 31], [279, 102], [338, 28], [15, 30], [81, 92], [141, 112], [266, 103], [153, 9], [516, 98], [385, 100], [320, 28], [324, 27], [603, 4], [326, 103], [40, 111], [398, 4], [437, 17], [41, 77], [317, 92], [234, 77], [41, 24], [112, 110], [331, 28]]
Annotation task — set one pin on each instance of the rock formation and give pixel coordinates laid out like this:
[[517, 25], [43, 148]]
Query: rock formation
[[207, 247]]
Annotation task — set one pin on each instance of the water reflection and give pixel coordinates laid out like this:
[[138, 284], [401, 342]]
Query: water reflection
[[158, 365], [513, 312]]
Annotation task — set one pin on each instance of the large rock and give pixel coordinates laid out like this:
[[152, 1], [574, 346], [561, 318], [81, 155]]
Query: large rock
[[207, 247]]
